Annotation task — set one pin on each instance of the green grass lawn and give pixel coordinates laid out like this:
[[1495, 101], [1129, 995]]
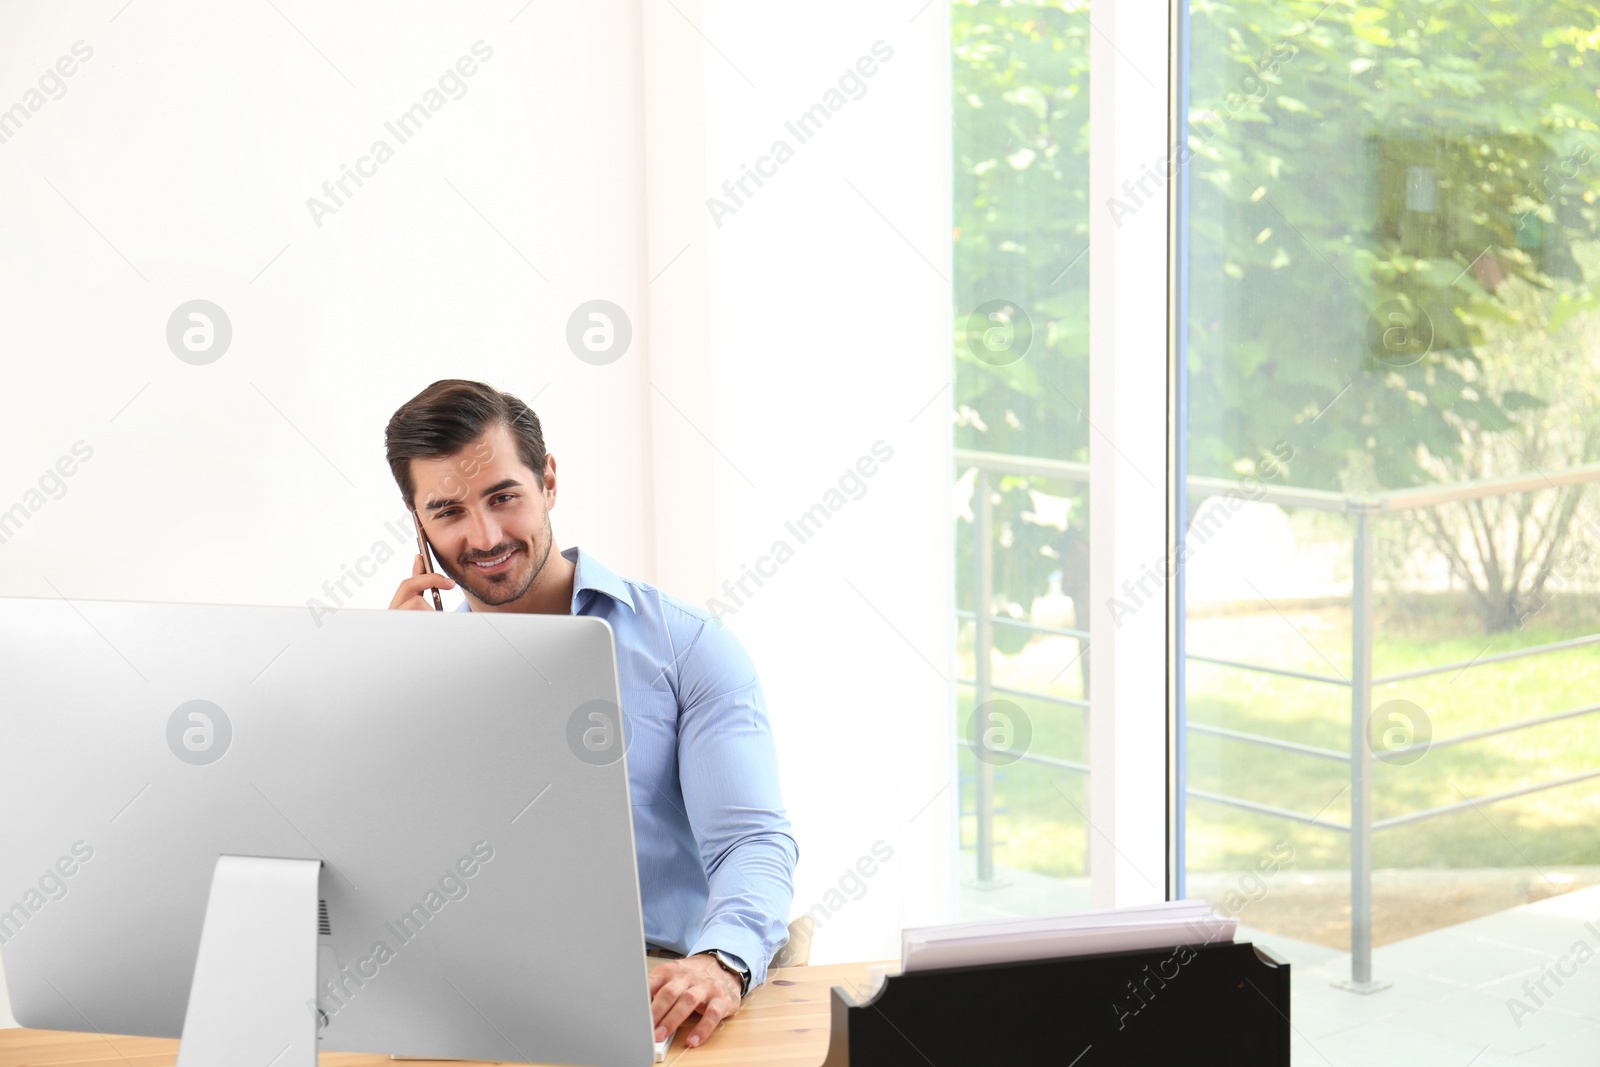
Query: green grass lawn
[[1038, 828]]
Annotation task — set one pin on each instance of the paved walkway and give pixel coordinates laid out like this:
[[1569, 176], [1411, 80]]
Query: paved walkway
[[1467, 994]]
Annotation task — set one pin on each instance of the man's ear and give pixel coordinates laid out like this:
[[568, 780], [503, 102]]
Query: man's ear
[[549, 481]]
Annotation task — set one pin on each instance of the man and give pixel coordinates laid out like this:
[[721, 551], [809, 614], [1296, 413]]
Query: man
[[716, 857]]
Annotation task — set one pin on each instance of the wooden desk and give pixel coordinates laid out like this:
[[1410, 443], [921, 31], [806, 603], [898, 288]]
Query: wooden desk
[[782, 1024]]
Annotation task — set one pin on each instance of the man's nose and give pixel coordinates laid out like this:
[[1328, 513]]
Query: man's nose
[[483, 533]]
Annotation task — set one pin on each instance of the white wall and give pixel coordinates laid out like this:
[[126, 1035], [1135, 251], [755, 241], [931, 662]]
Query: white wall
[[769, 356], [192, 141], [830, 332]]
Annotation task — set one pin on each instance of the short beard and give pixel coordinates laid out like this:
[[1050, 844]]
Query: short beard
[[549, 542]]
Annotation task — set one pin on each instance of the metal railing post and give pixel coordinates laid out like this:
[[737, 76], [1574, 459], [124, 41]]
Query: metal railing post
[[982, 645], [1361, 754]]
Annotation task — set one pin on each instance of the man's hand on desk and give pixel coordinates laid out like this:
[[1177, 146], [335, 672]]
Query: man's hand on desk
[[696, 984]]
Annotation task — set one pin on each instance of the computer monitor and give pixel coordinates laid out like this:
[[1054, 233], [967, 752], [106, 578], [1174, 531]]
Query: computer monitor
[[454, 784]]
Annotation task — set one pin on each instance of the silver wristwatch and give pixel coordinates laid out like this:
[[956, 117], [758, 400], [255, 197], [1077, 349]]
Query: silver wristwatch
[[732, 965]]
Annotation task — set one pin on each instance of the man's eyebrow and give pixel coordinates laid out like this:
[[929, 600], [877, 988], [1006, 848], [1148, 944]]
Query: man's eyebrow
[[508, 483]]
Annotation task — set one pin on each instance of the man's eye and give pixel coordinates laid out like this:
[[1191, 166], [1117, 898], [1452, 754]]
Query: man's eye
[[448, 512]]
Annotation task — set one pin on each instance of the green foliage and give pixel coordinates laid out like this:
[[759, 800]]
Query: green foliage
[[1021, 221], [1365, 178], [1430, 154]]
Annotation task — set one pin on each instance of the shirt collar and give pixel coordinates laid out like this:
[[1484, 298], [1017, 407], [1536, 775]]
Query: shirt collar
[[589, 573]]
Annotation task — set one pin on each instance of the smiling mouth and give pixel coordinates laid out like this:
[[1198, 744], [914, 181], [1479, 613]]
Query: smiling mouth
[[494, 565]]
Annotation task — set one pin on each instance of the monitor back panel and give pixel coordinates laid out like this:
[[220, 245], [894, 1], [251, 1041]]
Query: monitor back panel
[[462, 777]]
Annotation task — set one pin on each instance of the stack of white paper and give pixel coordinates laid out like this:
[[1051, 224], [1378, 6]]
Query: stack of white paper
[[1153, 926]]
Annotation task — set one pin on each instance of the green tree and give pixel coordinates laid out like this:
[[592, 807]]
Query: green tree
[[1366, 180], [1514, 552], [1022, 230]]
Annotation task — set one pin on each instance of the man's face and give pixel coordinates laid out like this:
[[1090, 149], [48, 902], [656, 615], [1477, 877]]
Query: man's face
[[484, 505]]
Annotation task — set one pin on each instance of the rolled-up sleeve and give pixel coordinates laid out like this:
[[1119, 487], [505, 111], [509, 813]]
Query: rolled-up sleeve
[[728, 767]]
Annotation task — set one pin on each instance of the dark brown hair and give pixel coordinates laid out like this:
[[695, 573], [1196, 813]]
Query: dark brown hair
[[449, 415]]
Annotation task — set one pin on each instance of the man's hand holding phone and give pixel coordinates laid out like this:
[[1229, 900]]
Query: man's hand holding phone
[[413, 592]]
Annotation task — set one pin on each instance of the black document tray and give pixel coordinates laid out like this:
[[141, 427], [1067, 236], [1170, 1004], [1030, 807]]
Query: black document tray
[[1199, 1004]]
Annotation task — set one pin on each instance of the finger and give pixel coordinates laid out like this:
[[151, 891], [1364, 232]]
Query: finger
[[413, 589], [660, 976], [665, 996], [410, 592], [686, 1006], [662, 973], [687, 1003], [717, 1010], [420, 571]]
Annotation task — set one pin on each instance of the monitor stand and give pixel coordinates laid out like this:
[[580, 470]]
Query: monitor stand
[[257, 967]]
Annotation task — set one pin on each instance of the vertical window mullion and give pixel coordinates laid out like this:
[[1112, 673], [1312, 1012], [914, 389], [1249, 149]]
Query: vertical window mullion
[[1128, 412]]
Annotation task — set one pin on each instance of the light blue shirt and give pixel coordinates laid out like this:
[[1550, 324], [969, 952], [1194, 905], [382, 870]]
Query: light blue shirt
[[716, 855]]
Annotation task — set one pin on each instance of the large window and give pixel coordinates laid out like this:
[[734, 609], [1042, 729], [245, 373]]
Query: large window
[[1387, 620], [1391, 609]]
